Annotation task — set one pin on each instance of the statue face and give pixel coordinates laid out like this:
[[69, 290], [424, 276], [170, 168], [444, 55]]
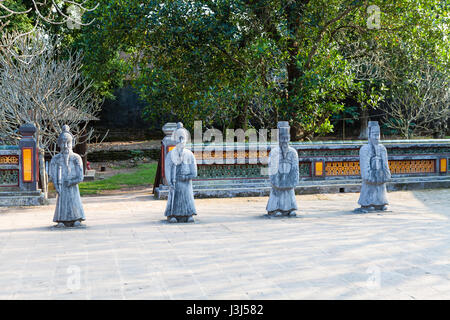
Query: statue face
[[374, 136], [181, 140], [66, 146], [284, 141]]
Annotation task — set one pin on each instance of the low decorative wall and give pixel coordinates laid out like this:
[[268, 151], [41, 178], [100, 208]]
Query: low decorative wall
[[241, 168], [9, 166], [319, 161], [19, 171]]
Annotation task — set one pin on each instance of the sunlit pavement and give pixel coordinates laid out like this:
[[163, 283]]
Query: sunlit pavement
[[232, 251]]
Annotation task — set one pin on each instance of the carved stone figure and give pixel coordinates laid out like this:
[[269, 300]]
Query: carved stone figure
[[284, 175], [66, 172], [180, 169], [373, 162]]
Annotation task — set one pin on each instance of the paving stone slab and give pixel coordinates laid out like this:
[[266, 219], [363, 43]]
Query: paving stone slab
[[232, 251]]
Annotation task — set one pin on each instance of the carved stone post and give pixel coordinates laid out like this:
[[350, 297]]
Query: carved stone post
[[29, 168]]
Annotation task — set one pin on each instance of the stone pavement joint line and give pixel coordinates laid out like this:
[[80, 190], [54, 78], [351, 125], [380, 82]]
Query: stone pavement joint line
[[232, 251]]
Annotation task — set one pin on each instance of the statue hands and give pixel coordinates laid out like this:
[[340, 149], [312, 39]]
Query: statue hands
[[281, 181], [68, 183], [183, 177], [375, 163], [65, 183], [377, 176]]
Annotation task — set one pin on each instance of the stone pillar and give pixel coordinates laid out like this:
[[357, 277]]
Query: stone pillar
[[29, 157], [167, 144]]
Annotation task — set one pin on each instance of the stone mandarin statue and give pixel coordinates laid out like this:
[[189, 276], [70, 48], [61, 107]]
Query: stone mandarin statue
[[284, 175], [373, 162], [66, 172], [180, 169]]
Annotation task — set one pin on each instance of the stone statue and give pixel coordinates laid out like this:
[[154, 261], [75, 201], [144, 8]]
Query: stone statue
[[180, 169], [373, 162], [66, 171], [284, 175]]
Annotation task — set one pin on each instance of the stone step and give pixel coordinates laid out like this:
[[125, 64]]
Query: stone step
[[328, 180], [21, 198], [225, 189], [17, 193], [229, 181], [265, 182]]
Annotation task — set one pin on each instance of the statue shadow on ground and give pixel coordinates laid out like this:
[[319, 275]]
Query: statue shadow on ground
[[358, 211], [43, 228], [271, 217], [54, 228], [166, 222]]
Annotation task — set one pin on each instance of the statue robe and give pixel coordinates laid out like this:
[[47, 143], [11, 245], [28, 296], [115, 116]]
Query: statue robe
[[68, 204], [284, 177], [181, 200], [373, 189]]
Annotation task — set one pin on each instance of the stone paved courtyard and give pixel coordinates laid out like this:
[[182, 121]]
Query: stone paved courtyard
[[128, 251]]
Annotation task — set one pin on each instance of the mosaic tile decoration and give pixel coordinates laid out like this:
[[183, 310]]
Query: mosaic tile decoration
[[9, 159], [328, 152], [9, 177], [304, 169], [412, 166], [355, 151], [219, 171], [351, 168], [342, 168], [443, 165], [417, 150], [223, 171], [211, 155]]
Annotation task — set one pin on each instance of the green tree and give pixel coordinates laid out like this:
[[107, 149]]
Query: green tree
[[243, 62], [19, 22]]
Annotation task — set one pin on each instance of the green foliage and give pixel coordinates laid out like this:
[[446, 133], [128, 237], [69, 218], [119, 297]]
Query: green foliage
[[144, 175], [350, 114], [234, 63], [19, 22]]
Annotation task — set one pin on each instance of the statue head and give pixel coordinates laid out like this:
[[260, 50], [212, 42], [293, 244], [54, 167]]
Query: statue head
[[180, 135], [65, 140], [284, 135], [374, 132]]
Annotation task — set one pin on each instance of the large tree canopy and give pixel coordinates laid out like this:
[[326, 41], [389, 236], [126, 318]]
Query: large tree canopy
[[252, 62]]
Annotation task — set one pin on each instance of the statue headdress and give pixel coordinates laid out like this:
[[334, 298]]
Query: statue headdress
[[65, 134], [283, 128], [371, 125], [180, 130]]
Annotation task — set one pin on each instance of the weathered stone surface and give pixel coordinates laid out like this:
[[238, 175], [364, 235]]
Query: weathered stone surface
[[374, 172], [283, 174], [14, 189], [19, 198], [261, 187], [180, 169], [232, 251], [66, 172]]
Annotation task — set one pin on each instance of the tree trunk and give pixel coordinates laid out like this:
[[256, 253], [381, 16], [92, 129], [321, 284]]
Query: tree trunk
[[343, 127], [293, 74], [296, 132], [363, 134], [81, 149], [242, 118], [42, 173]]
